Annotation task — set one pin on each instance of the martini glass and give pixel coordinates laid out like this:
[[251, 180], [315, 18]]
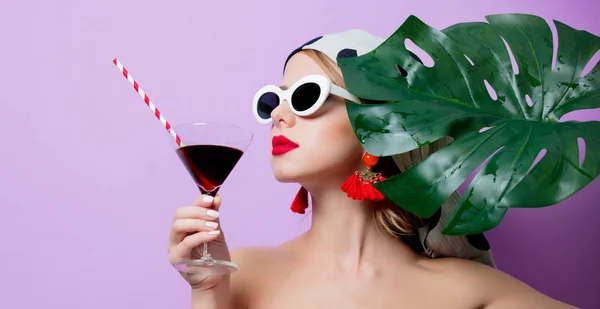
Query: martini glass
[[209, 152]]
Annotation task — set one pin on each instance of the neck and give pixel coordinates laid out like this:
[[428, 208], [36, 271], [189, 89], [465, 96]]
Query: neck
[[345, 232]]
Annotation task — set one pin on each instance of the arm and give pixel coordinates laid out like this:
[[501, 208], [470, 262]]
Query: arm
[[233, 292], [508, 292], [494, 289], [500, 290], [217, 298]]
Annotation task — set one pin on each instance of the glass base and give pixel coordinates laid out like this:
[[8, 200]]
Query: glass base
[[207, 265]]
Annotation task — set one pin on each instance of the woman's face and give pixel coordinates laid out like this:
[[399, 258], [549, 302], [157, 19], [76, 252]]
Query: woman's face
[[328, 150]]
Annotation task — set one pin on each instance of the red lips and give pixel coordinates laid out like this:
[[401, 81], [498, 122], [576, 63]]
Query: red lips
[[282, 144]]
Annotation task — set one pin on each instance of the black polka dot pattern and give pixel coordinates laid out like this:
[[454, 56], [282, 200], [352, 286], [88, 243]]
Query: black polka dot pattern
[[299, 49], [312, 41], [347, 53]]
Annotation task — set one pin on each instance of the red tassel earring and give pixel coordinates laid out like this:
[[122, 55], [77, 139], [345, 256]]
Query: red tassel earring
[[300, 202], [359, 185]]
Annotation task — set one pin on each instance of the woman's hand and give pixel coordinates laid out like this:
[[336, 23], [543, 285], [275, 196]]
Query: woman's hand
[[192, 226]]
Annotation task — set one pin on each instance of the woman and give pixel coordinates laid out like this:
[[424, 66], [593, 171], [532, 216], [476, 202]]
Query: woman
[[360, 252]]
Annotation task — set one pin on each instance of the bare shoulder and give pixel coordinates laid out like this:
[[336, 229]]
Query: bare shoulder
[[253, 263], [254, 260], [251, 254], [495, 288]]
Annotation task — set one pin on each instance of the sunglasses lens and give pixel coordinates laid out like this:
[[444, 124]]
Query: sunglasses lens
[[266, 104], [306, 96]]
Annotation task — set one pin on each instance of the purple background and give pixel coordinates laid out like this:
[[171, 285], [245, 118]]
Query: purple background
[[89, 182]]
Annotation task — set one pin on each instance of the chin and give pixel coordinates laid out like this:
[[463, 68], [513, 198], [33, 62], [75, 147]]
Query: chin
[[293, 169], [301, 174], [285, 175], [286, 172]]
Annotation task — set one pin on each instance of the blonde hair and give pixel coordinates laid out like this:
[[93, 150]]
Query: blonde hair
[[388, 216]]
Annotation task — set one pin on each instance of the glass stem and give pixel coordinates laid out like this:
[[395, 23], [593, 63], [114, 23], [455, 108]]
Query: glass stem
[[205, 253]]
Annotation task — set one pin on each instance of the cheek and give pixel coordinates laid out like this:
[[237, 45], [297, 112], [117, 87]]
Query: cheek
[[334, 140]]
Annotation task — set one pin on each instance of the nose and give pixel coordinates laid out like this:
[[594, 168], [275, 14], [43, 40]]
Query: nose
[[283, 116]]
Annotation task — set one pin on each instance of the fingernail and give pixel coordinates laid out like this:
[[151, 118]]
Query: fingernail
[[212, 213], [207, 199], [213, 225], [217, 232]]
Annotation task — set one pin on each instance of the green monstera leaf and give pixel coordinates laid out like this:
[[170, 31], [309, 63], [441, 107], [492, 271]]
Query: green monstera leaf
[[500, 119]]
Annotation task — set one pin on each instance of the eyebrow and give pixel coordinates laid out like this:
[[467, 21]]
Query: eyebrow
[[283, 87]]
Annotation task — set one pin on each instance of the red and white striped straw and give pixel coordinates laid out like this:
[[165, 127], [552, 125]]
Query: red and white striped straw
[[146, 99]]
